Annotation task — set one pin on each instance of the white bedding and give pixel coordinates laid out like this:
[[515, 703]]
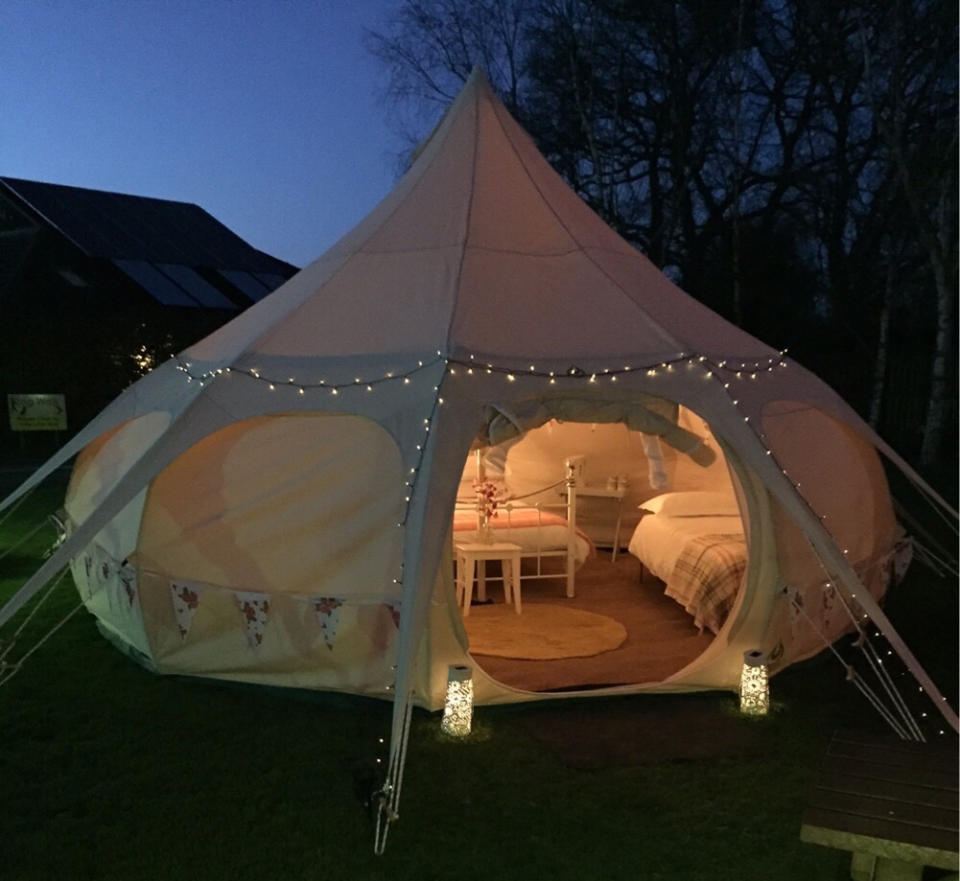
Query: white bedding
[[659, 540], [534, 532]]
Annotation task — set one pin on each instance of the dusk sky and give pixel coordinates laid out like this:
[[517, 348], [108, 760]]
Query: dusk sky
[[264, 112]]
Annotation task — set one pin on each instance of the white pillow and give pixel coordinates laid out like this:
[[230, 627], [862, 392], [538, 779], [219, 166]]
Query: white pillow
[[693, 504]]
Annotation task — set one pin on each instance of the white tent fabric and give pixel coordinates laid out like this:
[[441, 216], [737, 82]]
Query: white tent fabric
[[310, 450]]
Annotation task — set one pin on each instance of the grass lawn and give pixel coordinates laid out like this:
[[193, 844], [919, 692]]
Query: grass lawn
[[109, 772]]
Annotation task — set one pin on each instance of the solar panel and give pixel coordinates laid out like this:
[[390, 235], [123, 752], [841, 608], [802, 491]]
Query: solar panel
[[152, 280], [117, 226], [270, 279], [245, 282], [198, 288]]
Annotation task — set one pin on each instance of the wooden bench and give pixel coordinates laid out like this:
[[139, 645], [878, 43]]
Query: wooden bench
[[891, 803]]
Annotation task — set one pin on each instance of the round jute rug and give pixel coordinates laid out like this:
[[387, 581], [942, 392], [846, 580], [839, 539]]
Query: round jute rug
[[542, 632]]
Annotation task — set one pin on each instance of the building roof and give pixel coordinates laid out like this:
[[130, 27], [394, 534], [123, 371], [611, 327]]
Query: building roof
[[158, 243]]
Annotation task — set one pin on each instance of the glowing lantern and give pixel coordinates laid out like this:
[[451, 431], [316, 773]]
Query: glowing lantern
[[458, 708], [754, 684]]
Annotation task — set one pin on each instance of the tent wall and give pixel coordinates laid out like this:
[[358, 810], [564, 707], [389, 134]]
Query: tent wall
[[281, 504], [98, 469], [297, 508], [97, 571], [837, 473]]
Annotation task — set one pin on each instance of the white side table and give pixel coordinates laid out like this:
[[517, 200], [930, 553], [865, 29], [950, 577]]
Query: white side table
[[601, 492], [472, 557]]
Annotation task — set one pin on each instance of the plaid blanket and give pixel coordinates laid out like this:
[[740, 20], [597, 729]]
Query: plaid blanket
[[706, 577]]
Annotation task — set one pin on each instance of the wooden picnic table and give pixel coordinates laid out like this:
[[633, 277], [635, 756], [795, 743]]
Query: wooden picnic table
[[891, 803]]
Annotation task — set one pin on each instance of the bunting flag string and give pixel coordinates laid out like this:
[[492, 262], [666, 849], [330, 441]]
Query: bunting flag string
[[254, 607]]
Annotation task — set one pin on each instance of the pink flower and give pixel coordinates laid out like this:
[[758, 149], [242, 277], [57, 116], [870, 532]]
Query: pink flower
[[487, 498], [188, 597], [327, 605]]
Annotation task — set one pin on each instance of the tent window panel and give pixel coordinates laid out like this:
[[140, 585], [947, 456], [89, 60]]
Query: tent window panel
[[290, 504], [839, 474]]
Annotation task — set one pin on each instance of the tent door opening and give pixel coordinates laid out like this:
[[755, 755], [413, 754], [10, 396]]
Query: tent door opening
[[657, 544]]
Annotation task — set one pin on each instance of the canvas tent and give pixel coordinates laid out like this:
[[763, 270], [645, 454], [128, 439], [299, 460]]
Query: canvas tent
[[303, 460]]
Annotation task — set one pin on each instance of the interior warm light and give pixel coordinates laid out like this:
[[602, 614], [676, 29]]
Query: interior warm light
[[755, 684], [458, 708], [144, 360]]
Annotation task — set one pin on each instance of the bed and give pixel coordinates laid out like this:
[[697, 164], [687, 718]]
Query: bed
[[540, 533], [694, 543], [544, 532]]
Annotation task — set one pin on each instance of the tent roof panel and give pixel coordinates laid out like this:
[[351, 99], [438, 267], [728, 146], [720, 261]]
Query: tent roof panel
[[511, 305], [482, 247], [433, 212], [699, 329], [584, 224], [375, 303], [508, 211]]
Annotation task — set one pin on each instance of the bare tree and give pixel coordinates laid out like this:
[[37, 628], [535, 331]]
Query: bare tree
[[819, 138], [429, 48], [912, 83]]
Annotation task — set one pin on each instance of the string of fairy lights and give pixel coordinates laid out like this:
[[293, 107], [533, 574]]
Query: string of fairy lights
[[902, 714], [738, 368], [728, 371]]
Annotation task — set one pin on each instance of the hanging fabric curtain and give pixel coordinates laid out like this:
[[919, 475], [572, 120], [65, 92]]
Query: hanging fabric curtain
[[651, 416]]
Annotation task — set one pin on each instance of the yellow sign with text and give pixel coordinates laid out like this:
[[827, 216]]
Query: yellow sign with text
[[37, 412]]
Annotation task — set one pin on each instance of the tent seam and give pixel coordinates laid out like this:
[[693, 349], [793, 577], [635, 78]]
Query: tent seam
[[467, 221]]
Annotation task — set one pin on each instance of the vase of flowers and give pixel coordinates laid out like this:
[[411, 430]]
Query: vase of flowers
[[488, 497]]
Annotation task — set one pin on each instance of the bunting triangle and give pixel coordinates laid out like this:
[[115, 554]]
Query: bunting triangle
[[328, 614], [105, 571], [254, 607], [186, 598], [394, 609], [88, 572], [128, 582]]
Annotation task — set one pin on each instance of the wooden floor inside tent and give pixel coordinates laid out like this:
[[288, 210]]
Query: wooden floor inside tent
[[661, 636]]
